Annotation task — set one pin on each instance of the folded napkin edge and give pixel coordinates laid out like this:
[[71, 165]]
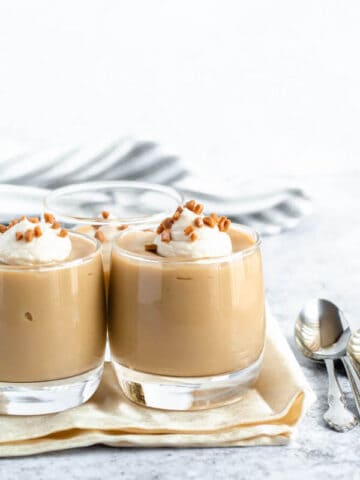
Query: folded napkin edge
[[287, 419]]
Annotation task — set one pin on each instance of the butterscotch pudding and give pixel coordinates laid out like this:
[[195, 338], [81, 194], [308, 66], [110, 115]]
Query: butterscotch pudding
[[52, 316], [105, 234], [187, 314]]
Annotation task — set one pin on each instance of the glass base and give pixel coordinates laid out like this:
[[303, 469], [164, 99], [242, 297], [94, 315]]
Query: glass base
[[37, 398], [186, 393]]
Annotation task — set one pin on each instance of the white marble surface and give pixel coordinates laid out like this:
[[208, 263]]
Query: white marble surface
[[320, 258]]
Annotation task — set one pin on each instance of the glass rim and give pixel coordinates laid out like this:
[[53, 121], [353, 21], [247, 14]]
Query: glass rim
[[191, 261], [42, 267], [110, 184]]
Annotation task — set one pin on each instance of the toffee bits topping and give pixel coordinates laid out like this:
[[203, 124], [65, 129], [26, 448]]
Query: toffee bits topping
[[212, 221], [35, 232]]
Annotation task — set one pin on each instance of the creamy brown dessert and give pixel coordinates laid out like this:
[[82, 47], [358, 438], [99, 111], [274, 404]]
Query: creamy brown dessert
[[187, 300], [105, 234], [52, 307]]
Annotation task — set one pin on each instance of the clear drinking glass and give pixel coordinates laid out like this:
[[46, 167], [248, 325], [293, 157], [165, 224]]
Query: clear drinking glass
[[52, 332], [80, 206], [186, 334]]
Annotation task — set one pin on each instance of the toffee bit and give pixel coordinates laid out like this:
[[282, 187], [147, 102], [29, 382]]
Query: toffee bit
[[63, 233], [19, 236], [165, 236], [105, 214], [176, 216], [224, 224], [55, 225], [122, 227], [29, 235], [33, 220], [168, 222], [177, 213], [190, 205], [210, 222], [3, 228], [194, 237], [100, 236], [227, 224], [198, 222], [188, 230], [22, 218], [151, 247], [215, 217], [49, 218], [221, 224], [96, 227], [198, 208], [160, 229], [37, 231]]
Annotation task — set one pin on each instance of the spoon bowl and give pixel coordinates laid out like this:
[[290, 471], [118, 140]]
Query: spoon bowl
[[321, 330], [322, 334]]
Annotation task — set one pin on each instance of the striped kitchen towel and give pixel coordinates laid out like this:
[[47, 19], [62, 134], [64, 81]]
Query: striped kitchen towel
[[269, 206]]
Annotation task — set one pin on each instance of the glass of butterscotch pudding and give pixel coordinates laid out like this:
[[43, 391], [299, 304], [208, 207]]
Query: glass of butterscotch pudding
[[187, 311], [103, 209], [52, 317]]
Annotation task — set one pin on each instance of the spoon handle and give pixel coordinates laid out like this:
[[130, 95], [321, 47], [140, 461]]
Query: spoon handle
[[353, 379], [337, 416]]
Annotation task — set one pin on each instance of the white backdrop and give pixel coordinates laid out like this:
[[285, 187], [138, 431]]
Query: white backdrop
[[264, 86]]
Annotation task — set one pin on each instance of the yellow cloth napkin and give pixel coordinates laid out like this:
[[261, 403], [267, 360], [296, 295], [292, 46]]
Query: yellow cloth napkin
[[267, 415]]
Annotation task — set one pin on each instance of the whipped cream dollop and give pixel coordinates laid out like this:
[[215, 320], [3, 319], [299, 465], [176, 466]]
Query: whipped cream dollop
[[104, 233], [19, 248], [207, 241]]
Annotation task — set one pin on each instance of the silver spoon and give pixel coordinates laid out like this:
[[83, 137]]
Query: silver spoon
[[322, 333]]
